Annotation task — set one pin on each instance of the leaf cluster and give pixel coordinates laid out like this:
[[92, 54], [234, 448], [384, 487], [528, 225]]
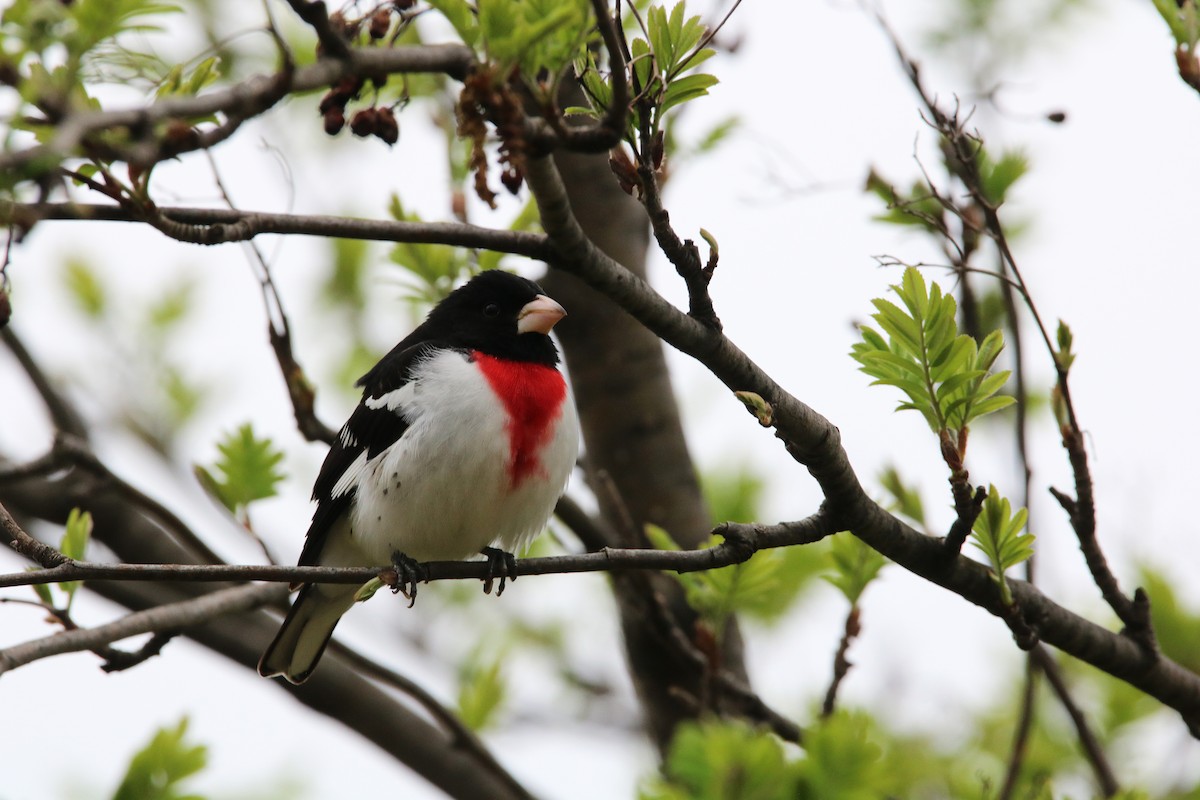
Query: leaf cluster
[[729, 760], [539, 38], [997, 532], [764, 586], [662, 68], [945, 374]]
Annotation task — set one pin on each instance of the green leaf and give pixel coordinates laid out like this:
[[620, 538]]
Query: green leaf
[[905, 499], [42, 590], [155, 771], [902, 328], [171, 307], [997, 532], [723, 760], [764, 586], [246, 471], [74, 545], [1064, 356], [686, 88], [855, 564], [86, 289], [461, 16], [482, 690]]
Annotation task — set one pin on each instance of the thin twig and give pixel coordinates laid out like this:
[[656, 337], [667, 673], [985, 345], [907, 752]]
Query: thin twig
[[741, 543], [1092, 749], [841, 663], [462, 736]]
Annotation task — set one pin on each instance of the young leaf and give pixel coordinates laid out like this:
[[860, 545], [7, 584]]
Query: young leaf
[[155, 771], [246, 471], [997, 532], [855, 565], [906, 499], [723, 760], [482, 689], [74, 546]]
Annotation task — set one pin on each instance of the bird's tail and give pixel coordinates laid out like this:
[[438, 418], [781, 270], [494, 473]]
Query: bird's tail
[[301, 640]]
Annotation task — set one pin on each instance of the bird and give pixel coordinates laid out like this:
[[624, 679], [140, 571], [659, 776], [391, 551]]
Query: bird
[[465, 437]]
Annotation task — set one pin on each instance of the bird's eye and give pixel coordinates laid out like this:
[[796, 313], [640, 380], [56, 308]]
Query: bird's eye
[[491, 310]]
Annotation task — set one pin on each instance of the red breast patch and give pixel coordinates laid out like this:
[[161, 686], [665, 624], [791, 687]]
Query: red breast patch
[[532, 395]]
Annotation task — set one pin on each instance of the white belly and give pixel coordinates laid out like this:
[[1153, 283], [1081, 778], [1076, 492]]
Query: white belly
[[444, 490]]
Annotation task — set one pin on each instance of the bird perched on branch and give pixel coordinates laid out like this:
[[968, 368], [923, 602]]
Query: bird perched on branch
[[465, 436]]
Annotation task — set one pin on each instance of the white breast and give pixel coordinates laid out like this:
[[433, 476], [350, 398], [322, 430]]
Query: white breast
[[443, 490]]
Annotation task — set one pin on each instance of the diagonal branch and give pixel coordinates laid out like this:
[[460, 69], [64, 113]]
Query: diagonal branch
[[170, 617], [814, 442]]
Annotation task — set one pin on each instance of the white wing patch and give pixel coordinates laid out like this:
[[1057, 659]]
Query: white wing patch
[[350, 478], [393, 400]]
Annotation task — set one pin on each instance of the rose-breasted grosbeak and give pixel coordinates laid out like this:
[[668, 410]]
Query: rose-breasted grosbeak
[[465, 436]]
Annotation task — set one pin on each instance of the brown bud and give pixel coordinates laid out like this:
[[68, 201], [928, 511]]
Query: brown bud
[[386, 127], [335, 120], [363, 122], [458, 205], [656, 150], [381, 20], [512, 179], [333, 99]]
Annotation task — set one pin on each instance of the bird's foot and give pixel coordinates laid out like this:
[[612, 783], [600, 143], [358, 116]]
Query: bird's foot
[[408, 573], [502, 565]]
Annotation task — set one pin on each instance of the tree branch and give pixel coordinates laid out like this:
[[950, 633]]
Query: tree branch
[[73, 129], [741, 542], [169, 617], [210, 226], [814, 442]]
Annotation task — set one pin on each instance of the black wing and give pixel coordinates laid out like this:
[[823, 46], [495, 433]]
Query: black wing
[[370, 431]]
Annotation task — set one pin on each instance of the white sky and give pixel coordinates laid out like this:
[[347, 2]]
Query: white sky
[[1112, 207]]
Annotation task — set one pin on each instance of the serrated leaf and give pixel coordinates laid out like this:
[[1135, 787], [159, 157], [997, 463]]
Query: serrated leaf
[[997, 532], [907, 500], [155, 771], [247, 469], [898, 325], [689, 87], [855, 564]]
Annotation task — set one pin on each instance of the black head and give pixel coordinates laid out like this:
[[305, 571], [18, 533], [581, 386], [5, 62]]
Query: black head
[[497, 313]]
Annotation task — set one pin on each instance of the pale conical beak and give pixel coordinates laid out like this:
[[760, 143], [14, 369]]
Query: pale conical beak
[[539, 315]]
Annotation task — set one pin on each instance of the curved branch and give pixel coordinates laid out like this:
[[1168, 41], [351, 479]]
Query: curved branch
[[211, 226], [815, 442]]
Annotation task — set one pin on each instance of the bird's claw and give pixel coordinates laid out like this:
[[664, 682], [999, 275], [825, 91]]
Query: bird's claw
[[407, 574], [502, 565]]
